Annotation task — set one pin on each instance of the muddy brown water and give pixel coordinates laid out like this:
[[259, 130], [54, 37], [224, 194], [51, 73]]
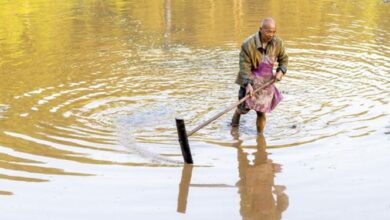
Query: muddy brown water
[[99, 83]]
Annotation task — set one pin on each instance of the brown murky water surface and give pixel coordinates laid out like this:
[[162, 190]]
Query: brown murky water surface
[[89, 91]]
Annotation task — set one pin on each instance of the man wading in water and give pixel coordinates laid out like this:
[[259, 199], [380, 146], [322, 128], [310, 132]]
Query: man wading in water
[[257, 57]]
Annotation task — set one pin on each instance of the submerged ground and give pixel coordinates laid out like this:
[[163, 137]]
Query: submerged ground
[[89, 92]]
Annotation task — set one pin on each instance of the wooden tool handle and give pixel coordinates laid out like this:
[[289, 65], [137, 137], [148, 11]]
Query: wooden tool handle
[[228, 109]]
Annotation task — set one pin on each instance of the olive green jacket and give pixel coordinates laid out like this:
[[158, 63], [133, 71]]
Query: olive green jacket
[[251, 54]]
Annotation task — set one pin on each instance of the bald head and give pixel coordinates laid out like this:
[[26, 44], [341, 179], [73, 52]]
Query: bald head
[[267, 29], [267, 23]]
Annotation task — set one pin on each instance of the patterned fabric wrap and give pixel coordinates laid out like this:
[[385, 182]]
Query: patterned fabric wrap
[[268, 98]]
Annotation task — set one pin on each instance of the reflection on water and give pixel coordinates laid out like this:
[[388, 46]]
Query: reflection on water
[[184, 187], [5, 193], [100, 82], [260, 197], [185, 184]]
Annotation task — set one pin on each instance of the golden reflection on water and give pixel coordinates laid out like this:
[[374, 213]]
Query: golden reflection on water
[[184, 188], [100, 82], [24, 179], [5, 193], [260, 197]]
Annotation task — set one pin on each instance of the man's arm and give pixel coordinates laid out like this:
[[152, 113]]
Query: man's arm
[[282, 62], [245, 67]]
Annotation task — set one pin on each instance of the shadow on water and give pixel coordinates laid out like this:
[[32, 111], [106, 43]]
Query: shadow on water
[[260, 197]]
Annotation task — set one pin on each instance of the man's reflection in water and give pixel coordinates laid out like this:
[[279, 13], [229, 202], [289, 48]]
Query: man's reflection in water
[[260, 197]]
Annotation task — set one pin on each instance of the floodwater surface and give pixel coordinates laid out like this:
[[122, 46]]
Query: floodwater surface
[[89, 91]]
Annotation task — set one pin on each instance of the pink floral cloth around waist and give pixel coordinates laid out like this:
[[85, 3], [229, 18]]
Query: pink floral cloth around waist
[[268, 98]]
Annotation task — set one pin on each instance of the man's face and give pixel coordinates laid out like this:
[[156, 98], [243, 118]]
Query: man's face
[[267, 32]]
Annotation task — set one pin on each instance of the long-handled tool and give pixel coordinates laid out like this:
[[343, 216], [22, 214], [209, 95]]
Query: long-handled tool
[[183, 135]]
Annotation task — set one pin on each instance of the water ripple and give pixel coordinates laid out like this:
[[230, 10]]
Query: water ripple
[[110, 97]]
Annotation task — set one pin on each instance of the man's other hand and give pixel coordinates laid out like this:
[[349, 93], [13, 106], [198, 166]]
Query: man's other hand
[[249, 90], [279, 76]]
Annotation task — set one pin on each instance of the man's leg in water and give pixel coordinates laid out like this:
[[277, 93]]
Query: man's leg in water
[[236, 118], [241, 109]]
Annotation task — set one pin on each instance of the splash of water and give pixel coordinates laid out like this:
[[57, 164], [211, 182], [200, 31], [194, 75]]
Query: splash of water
[[150, 117]]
